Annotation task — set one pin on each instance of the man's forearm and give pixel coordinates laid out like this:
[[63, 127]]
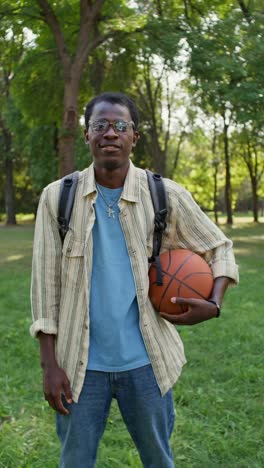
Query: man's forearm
[[219, 288], [47, 350]]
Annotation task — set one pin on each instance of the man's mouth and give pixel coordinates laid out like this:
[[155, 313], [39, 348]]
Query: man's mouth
[[109, 148]]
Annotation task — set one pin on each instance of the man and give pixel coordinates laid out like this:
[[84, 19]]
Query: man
[[100, 337]]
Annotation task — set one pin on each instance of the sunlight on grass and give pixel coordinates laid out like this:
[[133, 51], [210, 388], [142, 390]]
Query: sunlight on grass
[[252, 238], [13, 258], [241, 251], [238, 220], [20, 218]]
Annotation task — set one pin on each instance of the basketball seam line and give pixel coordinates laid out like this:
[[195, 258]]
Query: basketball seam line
[[177, 271], [181, 283]]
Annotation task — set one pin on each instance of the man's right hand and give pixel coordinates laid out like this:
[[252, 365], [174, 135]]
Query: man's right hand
[[56, 383], [55, 380]]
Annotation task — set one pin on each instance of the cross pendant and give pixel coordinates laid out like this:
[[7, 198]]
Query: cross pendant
[[111, 213]]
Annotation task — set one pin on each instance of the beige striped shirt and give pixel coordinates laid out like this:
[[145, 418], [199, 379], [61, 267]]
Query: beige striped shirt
[[61, 276]]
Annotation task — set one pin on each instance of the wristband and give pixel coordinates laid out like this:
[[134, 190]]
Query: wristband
[[217, 306]]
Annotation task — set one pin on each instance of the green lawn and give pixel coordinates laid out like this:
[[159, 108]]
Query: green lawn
[[219, 399]]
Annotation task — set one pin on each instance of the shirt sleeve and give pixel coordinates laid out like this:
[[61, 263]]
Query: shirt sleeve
[[198, 233], [46, 265]]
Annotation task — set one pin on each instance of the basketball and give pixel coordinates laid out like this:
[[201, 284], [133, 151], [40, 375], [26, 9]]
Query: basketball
[[184, 274]]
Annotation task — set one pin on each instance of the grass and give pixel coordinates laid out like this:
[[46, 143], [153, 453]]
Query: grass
[[219, 397]]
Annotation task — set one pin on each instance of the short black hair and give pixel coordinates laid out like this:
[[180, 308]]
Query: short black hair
[[113, 98]]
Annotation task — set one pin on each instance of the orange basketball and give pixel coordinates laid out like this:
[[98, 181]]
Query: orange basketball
[[184, 274]]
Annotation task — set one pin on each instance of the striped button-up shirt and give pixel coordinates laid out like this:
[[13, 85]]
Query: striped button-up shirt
[[61, 274]]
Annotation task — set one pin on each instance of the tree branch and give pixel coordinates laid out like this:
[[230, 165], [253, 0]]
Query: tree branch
[[52, 21], [83, 53], [159, 8], [87, 42], [89, 16], [186, 13], [177, 154], [143, 98], [195, 7], [245, 10], [167, 135], [150, 96]]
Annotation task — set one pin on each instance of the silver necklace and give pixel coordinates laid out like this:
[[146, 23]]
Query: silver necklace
[[110, 211]]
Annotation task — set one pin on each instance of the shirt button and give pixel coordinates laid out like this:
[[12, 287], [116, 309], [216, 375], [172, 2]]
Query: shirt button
[[86, 327], [69, 249], [81, 363]]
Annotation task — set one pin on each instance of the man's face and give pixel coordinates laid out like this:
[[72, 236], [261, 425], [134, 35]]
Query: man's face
[[111, 147]]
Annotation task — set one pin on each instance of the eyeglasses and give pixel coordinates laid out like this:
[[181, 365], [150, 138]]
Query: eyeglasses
[[102, 125]]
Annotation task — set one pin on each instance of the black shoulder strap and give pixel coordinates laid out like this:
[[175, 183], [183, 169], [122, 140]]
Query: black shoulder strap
[[159, 200], [66, 200]]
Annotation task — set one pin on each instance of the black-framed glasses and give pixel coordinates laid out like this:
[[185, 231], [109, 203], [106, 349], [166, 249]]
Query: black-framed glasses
[[102, 125]]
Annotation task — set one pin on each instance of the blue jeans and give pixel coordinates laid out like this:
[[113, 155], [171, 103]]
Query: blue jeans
[[149, 418]]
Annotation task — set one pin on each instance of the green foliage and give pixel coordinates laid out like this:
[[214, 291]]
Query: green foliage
[[37, 86], [225, 65], [215, 48], [195, 170], [83, 157]]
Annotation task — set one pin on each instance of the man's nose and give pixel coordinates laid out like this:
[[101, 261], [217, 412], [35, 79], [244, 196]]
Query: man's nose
[[111, 132]]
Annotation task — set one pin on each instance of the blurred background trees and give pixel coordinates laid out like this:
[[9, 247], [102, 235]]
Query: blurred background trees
[[194, 69]]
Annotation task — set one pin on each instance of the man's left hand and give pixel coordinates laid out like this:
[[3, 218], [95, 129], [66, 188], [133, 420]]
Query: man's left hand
[[198, 311]]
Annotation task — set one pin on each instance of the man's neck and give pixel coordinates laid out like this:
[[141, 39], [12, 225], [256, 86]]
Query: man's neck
[[111, 179]]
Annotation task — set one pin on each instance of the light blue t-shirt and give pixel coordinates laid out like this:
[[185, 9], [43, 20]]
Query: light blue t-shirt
[[116, 342]]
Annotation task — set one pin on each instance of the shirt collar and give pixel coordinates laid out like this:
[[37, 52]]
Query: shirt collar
[[88, 181], [131, 189]]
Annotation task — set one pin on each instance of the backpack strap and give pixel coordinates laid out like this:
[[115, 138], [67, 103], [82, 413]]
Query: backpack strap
[[159, 200], [66, 199]]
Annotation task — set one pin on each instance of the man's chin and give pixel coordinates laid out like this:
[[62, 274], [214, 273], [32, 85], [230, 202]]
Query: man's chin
[[111, 164]]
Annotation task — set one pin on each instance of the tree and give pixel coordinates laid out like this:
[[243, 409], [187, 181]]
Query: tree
[[251, 151], [149, 88], [218, 62], [196, 171], [11, 49], [99, 21]]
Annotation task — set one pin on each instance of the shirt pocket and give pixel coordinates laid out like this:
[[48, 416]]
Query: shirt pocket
[[76, 249], [72, 272], [73, 248]]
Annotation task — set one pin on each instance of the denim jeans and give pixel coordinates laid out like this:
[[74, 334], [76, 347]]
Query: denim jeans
[[149, 418]]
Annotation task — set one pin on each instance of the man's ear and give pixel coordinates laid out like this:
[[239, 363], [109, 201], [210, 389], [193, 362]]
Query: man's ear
[[86, 137], [135, 139]]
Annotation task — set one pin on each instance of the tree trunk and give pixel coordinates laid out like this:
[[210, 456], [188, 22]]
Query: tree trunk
[[70, 122], [252, 165], [9, 179], [255, 209], [160, 163], [215, 193], [177, 154], [9, 193], [215, 163], [56, 139], [228, 191], [158, 156]]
